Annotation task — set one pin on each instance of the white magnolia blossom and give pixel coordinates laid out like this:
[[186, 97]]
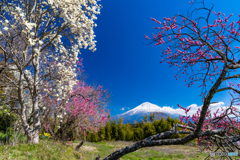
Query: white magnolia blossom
[[37, 51], [5, 28], [30, 25], [22, 14], [40, 42], [77, 19], [14, 70], [18, 9], [31, 42]]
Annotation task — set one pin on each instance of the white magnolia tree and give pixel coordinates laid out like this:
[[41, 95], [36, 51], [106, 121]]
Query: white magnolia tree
[[39, 42]]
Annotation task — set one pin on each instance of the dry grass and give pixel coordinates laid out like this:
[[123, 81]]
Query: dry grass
[[89, 149]]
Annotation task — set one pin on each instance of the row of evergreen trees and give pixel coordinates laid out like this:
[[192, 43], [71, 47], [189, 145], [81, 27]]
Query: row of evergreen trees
[[133, 132]]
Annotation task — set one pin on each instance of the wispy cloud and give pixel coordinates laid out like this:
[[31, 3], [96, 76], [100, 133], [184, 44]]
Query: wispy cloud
[[124, 108]]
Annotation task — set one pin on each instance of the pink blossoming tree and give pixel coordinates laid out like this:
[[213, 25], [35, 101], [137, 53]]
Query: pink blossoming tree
[[81, 111]]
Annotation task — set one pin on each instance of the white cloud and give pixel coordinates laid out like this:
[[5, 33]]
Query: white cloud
[[194, 108], [124, 108]]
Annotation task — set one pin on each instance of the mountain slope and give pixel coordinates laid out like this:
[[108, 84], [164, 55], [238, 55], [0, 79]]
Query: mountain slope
[[136, 114]]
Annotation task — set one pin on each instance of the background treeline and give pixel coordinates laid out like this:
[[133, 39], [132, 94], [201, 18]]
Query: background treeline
[[113, 130], [116, 130]]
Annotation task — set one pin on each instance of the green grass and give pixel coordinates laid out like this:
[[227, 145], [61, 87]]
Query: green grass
[[50, 150], [91, 150], [44, 150], [150, 153]]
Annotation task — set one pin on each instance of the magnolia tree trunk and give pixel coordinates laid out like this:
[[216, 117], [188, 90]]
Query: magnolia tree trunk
[[32, 133], [36, 119]]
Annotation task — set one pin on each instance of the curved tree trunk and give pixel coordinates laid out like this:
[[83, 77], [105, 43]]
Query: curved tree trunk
[[155, 140], [80, 145]]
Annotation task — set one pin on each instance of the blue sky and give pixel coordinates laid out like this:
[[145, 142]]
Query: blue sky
[[128, 67]]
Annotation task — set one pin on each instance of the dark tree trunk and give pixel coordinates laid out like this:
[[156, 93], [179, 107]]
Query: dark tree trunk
[[80, 145], [98, 157]]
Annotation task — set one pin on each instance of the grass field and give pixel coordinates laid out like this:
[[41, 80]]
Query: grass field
[[50, 150]]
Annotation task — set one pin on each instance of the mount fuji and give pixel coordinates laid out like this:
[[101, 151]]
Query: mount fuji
[[136, 114]]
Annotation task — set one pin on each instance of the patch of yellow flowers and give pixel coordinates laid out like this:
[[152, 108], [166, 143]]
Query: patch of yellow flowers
[[46, 134]]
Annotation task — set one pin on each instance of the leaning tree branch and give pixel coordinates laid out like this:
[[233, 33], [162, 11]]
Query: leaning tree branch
[[156, 140]]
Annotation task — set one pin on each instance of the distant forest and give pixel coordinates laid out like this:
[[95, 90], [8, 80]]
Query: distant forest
[[148, 126]]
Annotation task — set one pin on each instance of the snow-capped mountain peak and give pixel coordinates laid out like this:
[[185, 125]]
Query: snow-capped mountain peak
[[145, 107], [137, 113]]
